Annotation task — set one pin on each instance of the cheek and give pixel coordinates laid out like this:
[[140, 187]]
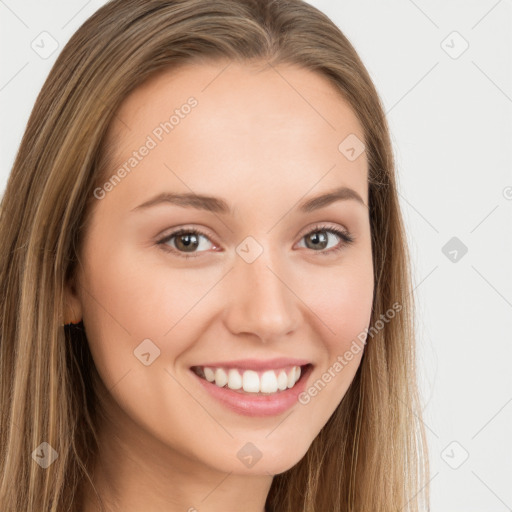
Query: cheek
[[347, 309], [341, 308], [343, 299], [130, 293], [129, 298]]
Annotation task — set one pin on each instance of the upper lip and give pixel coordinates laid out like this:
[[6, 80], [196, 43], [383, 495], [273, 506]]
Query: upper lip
[[257, 364]]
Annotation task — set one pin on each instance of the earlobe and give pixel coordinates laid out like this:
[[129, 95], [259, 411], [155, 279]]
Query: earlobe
[[72, 305]]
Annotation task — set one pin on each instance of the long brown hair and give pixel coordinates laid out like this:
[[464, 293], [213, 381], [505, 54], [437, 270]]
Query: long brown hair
[[371, 455]]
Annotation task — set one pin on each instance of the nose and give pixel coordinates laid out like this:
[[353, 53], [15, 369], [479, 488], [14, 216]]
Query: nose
[[261, 300]]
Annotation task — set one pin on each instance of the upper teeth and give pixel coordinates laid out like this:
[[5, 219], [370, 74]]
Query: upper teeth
[[251, 381]]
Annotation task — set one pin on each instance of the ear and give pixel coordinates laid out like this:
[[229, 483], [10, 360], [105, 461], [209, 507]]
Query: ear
[[72, 304]]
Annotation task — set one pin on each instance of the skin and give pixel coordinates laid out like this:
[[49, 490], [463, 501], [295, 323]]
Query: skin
[[166, 445]]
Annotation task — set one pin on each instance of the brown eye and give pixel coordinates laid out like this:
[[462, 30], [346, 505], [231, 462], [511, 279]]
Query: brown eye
[[185, 241]]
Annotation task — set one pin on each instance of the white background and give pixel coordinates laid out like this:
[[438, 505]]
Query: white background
[[451, 124]]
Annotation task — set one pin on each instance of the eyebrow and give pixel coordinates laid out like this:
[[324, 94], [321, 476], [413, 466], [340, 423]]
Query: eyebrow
[[218, 205]]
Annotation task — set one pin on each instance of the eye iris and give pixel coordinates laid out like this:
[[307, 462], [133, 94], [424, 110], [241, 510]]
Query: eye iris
[[186, 241], [319, 239]]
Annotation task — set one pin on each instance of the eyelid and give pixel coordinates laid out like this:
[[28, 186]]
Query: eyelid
[[323, 226], [345, 236], [182, 230]]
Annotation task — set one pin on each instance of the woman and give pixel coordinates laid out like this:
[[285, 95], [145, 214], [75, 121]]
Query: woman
[[206, 298]]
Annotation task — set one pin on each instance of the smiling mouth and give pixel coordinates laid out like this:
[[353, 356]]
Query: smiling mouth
[[266, 382]]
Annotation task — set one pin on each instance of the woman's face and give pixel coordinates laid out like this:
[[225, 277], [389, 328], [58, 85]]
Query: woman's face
[[267, 286]]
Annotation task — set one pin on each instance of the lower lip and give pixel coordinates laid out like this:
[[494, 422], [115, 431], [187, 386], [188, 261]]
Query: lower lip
[[257, 405]]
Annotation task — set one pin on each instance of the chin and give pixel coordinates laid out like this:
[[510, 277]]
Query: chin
[[250, 460]]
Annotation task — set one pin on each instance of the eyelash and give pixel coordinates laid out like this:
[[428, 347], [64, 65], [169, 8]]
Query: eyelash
[[345, 236]]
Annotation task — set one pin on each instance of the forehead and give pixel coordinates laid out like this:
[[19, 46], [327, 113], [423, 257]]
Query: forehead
[[249, 122]]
